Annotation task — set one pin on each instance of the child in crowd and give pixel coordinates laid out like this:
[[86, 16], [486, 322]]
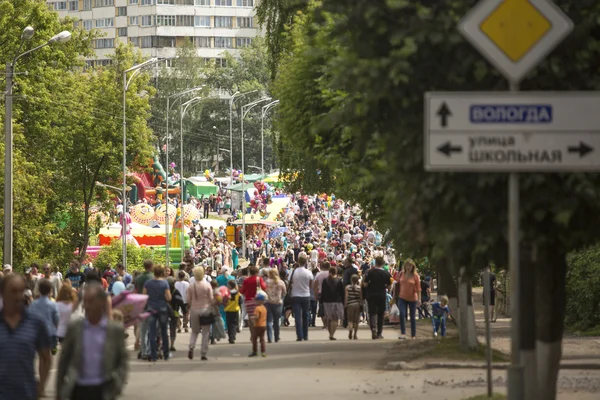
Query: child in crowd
[[440, 312], [217, 331], [118, 316], [232, 311], [260, 325]]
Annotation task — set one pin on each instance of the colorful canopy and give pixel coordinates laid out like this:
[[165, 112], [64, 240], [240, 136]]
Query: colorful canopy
[[160, 214], [142, 213]]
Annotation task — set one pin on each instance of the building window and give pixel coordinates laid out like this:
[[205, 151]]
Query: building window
[[242, 42], [87, 5], [223, 42], [223, 3], [223, 22], [245, 22], [104, 3], [133, 1], [135, 41], [147, 2], [205, 3], [202, 22], [74, 5], [88, 24], [165, 2], [185, 20], [164, 41], [60, 6], [121, 32], [184, 2], [165, 20], [220, 62], [146, 20], [133, 21], [202, 41], [105, 23], [105, 43], [146, 42], [121, 11], [245, 3]]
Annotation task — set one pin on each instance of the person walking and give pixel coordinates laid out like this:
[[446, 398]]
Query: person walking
[[159, 295], [276, 291], [353, 300], [142, 331], [93, 363], [232, 311], [66, 303], [22, 335], [250, 287], [300, 282], [409, 296], [200, 301], [376, 282], [259, 325], [46, 309], [182, 287], [333, 301]]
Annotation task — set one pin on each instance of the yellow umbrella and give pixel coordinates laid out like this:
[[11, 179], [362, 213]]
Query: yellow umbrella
[[161, 213], [190, 213], [142, 213]]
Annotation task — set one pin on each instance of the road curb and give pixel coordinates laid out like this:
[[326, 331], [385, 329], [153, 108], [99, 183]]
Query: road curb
[[404, 366]]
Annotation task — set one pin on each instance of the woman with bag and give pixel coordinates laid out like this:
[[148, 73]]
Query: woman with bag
[[200, 300], [332, 295], [250, 287], [276, 291], [409, 296]]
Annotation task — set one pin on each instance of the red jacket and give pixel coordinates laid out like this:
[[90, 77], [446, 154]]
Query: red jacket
[[249, 287]]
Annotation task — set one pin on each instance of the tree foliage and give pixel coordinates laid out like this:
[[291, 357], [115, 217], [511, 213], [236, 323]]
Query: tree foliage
[[67, 130], [110, 255], [206, 124]]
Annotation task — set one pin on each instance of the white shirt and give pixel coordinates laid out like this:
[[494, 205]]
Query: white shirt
[[347, 237], [321, 276], [182, 287], [301, 281], [314, 255], [64, 317]]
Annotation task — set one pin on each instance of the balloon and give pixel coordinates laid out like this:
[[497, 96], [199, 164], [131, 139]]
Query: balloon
[[224, 293]]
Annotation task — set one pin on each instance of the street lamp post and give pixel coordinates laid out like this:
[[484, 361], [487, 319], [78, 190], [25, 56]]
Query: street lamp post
[[183, 108], [235, 96], [177, 96], [265, 109], [27, 34], [245, 109], [136, 70]]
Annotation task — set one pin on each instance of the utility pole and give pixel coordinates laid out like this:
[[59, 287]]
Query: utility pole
[[218, 155]]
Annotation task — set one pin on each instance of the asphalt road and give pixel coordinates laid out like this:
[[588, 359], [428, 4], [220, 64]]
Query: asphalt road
[[300, 370]]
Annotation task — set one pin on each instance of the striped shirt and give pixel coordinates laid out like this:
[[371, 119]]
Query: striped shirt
[[353, 294], [17, 350]]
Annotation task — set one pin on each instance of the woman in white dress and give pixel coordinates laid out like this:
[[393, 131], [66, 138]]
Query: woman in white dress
[[66, 302]]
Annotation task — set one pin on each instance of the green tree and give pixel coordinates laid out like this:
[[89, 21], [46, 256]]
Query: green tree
[[39, 228], [90, 146], [372, 63]]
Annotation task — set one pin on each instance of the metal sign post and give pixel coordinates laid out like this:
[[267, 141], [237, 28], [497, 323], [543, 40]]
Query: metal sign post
[[513, 132]]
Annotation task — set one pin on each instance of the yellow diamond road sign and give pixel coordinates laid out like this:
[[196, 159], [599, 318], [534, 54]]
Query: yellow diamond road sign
[[515, 35]]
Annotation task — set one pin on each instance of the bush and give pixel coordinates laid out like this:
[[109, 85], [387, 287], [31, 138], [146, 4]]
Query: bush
[[113, 254], [583, 293]]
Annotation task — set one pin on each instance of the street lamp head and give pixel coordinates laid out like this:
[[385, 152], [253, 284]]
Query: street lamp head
[[27, 33], [62, 37]]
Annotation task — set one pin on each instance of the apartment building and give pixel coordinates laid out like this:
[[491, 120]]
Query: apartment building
[[157, 27]]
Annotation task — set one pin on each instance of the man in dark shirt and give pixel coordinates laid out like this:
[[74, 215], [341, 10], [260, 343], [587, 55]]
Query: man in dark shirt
[[76, 277], [142, 330], [377, 281], [22, 335]]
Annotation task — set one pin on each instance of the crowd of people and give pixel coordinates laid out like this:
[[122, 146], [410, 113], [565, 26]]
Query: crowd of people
[[324, 262]]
